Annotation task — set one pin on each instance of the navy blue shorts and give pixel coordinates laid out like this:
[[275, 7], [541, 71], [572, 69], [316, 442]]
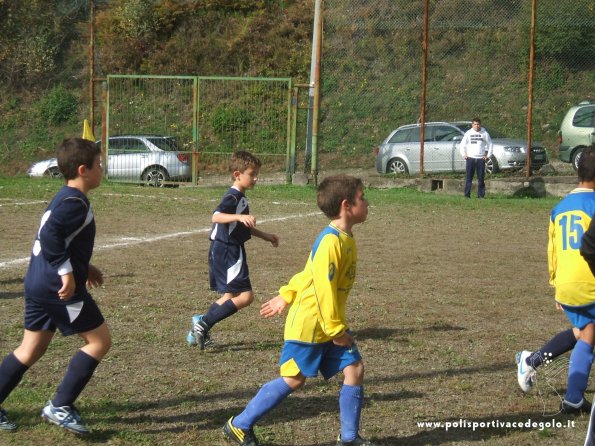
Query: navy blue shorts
[[228, 270], [77, 317], [308, 359]]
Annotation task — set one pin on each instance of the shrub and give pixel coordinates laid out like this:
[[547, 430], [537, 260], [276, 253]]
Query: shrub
[[58, 106]]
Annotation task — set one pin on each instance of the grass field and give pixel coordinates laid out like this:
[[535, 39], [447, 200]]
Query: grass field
[[447, 291]]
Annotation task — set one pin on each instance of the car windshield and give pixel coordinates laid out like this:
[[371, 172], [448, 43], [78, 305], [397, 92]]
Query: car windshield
[[464, 126], [168, 144]]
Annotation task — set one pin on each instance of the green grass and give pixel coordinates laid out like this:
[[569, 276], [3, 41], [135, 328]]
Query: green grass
[[437, 345]]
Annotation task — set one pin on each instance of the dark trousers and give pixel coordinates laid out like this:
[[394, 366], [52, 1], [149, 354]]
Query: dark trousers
[[472, 165]]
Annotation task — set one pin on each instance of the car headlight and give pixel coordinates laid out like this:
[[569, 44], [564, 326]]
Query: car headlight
[[514, 149]]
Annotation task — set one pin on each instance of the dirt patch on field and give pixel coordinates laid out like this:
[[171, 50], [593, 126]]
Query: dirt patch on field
[[447, 291]]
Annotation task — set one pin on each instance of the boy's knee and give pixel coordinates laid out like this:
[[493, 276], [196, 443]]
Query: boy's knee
[[587, 334], [249, 298], [107, 344], [354, 373], [243, 299], [295, 382], [28, 356]]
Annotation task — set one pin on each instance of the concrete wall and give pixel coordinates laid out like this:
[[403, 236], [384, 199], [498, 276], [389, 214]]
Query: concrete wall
[[530, 187]]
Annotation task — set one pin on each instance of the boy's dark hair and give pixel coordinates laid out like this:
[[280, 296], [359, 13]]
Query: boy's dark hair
[[75, 152], [242, 160], [476, 120], [333, 190], [586, 164]]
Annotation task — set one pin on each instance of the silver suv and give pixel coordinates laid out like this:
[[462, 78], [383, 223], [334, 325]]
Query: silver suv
[[577, 132], [400, 152], [150, 159]]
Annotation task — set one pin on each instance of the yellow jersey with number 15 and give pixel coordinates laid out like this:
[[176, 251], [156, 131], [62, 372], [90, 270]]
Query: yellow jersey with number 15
[[569, 273]]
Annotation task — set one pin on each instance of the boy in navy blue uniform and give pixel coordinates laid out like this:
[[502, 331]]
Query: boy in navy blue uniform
[[56, 295], [228, 269]]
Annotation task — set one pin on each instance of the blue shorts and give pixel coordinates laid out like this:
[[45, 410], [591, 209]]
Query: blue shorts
[[228, 270], [579, 317], [308, 359], [77, 317]]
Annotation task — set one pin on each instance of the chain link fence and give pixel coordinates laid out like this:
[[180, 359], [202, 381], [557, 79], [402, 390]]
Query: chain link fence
[[477, 65], [174, 129]]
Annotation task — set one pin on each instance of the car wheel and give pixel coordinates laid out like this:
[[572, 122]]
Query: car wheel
[[397, 165], [576, 156], [492, 165], [155, 176], [54, 172]]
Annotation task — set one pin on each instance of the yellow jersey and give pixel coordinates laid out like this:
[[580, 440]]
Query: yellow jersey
[[318, 294], [569, 273]]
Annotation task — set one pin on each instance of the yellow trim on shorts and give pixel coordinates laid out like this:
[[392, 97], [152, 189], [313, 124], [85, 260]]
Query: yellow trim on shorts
[[290, 368]]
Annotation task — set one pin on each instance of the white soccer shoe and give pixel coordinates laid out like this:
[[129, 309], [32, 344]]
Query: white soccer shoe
[[525, 373]]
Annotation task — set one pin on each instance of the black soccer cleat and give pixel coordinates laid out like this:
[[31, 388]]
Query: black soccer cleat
[[239, 436], [568, 408], [359, 441]]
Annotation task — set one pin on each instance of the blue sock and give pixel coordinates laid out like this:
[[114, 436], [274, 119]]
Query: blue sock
[[11, 373], [351, 400], [79, 372], [219, 312], [268, 397], [578, 371], [561, 343]]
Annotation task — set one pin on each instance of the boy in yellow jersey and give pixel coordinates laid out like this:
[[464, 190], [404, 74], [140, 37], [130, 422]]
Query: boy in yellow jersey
[[317, 336], [573, 281]]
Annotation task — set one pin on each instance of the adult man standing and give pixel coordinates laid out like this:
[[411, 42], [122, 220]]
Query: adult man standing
[[476, 147]]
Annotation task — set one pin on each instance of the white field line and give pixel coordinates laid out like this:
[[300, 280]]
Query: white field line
[[23, 203], [125, 242]]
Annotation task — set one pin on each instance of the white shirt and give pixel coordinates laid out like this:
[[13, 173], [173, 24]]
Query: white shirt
[[476, 144]]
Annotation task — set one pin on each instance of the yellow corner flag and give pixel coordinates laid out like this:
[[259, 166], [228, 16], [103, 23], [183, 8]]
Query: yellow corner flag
[[87, 132]]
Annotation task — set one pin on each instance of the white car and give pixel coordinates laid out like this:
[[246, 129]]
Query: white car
[[138, 158]]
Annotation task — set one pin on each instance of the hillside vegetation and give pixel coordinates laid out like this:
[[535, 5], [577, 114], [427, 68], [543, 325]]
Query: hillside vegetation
[[371, 63]]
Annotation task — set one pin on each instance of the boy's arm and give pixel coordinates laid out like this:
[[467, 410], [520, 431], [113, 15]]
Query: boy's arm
[[274, 306], [588, 246], [68, 286], [325, 276], [551, 252], [289, 292], [95, 277], [57, 226], [345, 340], [273, 238], [222, 218]]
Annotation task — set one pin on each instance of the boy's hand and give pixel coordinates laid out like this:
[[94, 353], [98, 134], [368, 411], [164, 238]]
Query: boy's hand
[[95, 277], [345, 340], [247, 220], [273, 307], [274, 239], [68, 287]]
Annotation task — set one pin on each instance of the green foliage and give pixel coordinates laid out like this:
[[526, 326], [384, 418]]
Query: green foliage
[[58, 106], [566, 33], [371, 66], [226, 119], [550, 77], [34, 41]]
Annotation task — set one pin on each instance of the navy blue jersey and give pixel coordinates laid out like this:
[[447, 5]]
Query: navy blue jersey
[[235, 233], [64, 244]]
